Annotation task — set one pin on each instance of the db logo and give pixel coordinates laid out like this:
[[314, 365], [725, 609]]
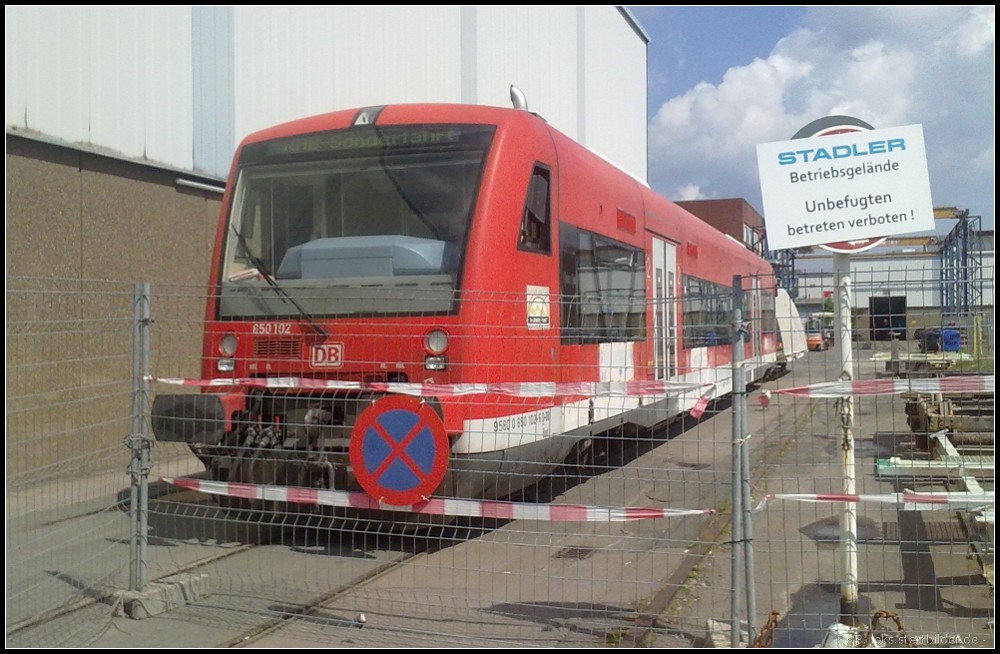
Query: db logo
[[328, 355]]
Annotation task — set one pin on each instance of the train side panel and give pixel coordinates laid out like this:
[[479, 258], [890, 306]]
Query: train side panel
[[508, 321]]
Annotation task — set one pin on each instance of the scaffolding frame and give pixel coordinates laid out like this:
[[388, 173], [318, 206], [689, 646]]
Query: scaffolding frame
[[962, 266]]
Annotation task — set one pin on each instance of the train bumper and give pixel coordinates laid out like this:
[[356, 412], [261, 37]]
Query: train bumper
[[194, 419]]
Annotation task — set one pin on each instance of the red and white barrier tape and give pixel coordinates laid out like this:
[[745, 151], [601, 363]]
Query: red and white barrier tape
[[969, 384], [890, 498], [433, 506], [514, 389]]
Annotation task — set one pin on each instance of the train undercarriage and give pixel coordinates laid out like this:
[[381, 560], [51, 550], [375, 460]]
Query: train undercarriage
[[303, 441]]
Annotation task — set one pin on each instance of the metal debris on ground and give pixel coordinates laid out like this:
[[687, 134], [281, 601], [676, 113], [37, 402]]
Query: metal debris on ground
[[877, 619], [766, 636]]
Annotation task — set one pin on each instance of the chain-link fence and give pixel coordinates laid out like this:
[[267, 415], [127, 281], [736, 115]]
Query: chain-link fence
[[588, 497], [921, 421], [69, 348]]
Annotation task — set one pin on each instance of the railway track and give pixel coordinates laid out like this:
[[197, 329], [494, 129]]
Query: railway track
[[314, 608]]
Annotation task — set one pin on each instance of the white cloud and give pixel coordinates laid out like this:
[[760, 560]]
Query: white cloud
[[888, 66], [689, 192], [975, 35]]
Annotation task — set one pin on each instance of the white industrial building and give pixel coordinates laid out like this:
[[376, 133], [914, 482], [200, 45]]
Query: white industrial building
[[908, 283], [181, 85]]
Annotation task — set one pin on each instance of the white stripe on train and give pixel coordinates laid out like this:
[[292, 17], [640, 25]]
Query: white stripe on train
[[601, 400]]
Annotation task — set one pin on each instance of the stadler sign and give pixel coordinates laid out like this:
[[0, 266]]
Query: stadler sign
[[845, 185]]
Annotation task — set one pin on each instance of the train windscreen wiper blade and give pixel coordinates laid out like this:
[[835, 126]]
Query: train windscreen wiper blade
[[421, 216], [265, 272]]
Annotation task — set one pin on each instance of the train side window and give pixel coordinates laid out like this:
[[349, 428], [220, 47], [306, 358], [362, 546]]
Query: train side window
[[707, 308], [768, 315], [602, 288], [536, 221]]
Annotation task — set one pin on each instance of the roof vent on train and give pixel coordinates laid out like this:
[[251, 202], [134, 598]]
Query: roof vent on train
[[367, 116], [517, 98]]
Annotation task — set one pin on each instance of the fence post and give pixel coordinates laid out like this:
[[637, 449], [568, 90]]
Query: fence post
[[740, 409], [739, 387], [139, 440]]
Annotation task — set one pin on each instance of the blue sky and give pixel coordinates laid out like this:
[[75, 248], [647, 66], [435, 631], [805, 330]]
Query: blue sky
[[722, 79]]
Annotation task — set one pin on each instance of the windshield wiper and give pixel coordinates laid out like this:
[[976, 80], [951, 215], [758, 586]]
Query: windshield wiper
[[265, 272], [382, 161]]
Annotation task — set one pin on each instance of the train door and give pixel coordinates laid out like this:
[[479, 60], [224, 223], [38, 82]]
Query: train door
[[664, 299]]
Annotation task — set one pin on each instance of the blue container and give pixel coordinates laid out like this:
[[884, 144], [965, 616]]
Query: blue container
[[951, 339]]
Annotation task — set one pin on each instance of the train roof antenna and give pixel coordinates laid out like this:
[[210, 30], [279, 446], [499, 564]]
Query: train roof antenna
[[517, 98]]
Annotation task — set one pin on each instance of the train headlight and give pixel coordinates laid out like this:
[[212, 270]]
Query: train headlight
[[227, 364], [435, 363], [228, 345], [436, 342]]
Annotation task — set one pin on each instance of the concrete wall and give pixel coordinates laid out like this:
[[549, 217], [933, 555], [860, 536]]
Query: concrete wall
[[74, 220], [612, 64], [79, 215]]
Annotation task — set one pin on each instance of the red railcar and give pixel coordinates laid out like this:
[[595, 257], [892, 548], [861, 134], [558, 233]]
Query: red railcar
[[448, 245]]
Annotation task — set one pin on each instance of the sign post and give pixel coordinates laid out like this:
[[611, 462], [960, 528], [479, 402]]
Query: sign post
[[845, 192], [849, 516]]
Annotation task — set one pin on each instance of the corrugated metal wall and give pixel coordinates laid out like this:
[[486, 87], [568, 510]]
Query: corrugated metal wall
[[113, 77], [533, 48], [213, 70], [912, 277], [299, 61], [182, 86], [615, 97]]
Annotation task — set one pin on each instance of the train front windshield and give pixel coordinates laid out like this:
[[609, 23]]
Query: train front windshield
[[361, 221]]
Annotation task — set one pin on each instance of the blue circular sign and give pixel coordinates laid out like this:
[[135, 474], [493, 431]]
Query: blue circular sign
[[399, 450]]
